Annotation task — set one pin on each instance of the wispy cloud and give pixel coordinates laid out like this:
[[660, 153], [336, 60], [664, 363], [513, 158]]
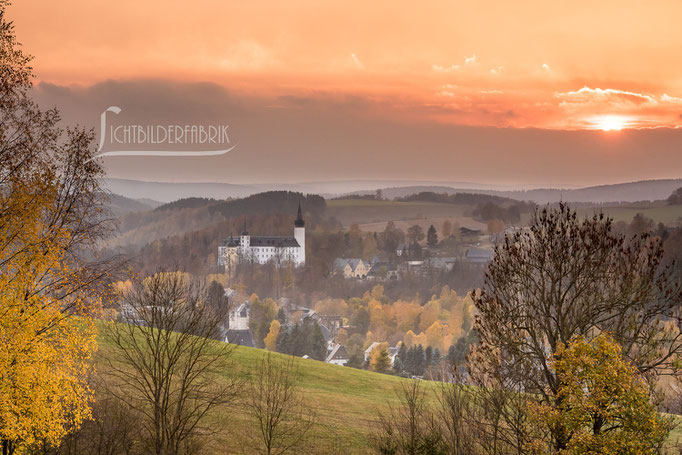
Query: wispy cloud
[[444, 69], [357, 61], [469, 60], [607, 95]]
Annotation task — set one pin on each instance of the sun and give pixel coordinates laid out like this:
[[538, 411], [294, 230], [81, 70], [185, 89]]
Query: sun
[[609, 122]]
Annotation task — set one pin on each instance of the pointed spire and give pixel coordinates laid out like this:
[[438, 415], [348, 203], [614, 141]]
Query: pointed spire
[[299, 218], [244, 231]]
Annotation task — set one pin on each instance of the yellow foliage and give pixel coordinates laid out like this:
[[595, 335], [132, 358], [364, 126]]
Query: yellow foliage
[[436, 336], [603, 403], [45, 341], [412, 340], [430, 314], [219, 277], [375, 353], [271, 338], [335, 307]]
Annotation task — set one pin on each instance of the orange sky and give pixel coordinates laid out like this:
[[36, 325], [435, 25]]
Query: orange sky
[[546, 64]]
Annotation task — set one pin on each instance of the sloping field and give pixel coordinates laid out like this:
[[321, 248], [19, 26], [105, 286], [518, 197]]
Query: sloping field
[[344, 399]]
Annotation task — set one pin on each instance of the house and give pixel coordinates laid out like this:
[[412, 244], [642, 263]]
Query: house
[[441, 263], [465, 231], [393, 353], [240, 337], [479, 255], [238, 331], [239, 316], [331, 322], [368, 351], [338, 355], [351, 268], [264, 249], [402, 248], [382, 271]]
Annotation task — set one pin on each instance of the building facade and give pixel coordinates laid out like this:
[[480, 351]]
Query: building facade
[[264, 249]]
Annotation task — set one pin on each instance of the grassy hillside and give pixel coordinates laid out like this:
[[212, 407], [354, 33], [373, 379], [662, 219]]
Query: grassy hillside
[[344, 399]]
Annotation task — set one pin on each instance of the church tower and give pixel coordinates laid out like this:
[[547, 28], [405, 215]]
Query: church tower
[[244, 237], [299, 235]]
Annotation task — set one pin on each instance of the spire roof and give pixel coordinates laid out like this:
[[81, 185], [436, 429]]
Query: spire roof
[[299, 218]]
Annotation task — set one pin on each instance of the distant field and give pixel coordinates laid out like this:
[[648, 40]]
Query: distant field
[[357, 211], [658, 211], [437, 222]]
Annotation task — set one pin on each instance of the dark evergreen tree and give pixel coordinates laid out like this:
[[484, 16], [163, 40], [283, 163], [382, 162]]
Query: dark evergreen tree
[[435, 359], [428, 356], [419, 360], [317, 345], [451, 357], [281, 316], [355, 361], [432, 237]]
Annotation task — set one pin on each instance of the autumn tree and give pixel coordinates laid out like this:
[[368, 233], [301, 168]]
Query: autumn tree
[[164, 364], [446, 229], [271, 338], [261, 314], [565, 278], [383, 362], [51, 220], [282, 421], [603, 402], [495, 226]]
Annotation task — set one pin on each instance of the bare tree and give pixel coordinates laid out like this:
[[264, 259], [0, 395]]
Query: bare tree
[[455, 407], [165, 366], [566, 277], [410, 428], [282, 420]]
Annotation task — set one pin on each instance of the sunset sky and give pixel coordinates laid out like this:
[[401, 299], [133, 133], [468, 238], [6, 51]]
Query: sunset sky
[[542, 65]]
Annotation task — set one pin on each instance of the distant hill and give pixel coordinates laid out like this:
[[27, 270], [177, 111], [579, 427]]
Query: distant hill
[[137, 228], [645, 190], [121, 205], [168, 191]]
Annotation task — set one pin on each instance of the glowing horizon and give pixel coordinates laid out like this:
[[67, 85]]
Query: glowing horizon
[[537, 65]]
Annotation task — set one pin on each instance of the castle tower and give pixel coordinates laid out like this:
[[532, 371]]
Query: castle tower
[[299, 235], [244, 238]]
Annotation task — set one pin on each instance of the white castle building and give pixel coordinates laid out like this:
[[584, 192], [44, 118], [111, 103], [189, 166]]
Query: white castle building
[[264, 249]]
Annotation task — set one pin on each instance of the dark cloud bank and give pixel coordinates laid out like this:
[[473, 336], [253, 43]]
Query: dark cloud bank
[[321, 137]]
